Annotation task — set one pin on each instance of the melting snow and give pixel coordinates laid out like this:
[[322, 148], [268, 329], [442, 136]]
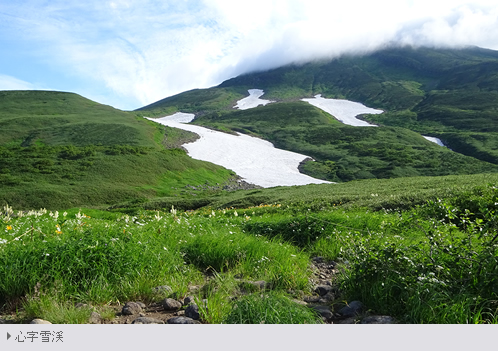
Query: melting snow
[[254, 159], [344, 110], [253, 100], [434, 140]]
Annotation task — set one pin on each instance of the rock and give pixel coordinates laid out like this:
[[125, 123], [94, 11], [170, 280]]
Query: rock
[[81, 305], [311, 299], [39, 321], [131, 308], [300, 302], [352, 309], [95, 318], [180, 313], [147, 320], [181, 320], [192, 311], [326, 299], [378, 320], [188, 300], [3, 321], [162, 289], [171, 305], [324, 311], [323, 290]]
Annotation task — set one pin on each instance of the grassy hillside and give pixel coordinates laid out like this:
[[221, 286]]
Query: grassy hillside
[[447, 93], [64, 150], [421, 250]]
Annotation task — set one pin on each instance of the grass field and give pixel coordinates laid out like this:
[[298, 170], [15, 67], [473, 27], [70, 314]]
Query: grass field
[[429, 263]]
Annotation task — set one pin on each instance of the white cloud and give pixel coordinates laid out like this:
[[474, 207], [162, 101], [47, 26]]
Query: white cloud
[[12, 83], [145, 50]]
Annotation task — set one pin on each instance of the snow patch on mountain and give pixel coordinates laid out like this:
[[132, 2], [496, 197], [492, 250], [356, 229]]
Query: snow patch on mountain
[[253, 100], [256, 160], [344, 110], [434, 140]]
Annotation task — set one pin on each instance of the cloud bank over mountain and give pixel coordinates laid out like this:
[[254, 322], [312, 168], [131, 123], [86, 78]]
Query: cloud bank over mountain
[[129, 53]]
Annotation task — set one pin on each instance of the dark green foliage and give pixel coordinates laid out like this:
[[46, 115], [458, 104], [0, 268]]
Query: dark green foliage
[[448, 276]]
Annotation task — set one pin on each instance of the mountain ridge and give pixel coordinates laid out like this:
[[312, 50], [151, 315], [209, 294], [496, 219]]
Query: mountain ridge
[[450, 94]]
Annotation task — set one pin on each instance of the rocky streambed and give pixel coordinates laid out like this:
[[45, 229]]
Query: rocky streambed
[[185, 310]]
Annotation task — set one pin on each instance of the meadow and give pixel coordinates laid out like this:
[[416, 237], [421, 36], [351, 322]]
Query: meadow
[[426, 261]]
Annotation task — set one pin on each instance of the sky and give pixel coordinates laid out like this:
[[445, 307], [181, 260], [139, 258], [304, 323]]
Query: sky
[[130, 53]]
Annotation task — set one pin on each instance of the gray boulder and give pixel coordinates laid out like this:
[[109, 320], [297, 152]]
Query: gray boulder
[[171, 304], [192, 311], [39, 321], [181, 320], [324, 311], [95, 318], [131, 308], [147, 320], [352, 309]]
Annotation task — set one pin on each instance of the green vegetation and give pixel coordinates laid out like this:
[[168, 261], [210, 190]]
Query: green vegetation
[[64, 150], [342, 152], [428, 263], [411, 226], [445, 93]]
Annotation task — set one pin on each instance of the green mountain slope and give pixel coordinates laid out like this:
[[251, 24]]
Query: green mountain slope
[[445, 93], [60, 149]]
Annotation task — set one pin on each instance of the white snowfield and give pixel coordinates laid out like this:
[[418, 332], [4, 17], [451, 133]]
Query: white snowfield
[[255, 160], [344, 110], [434, 140], [253, 100]]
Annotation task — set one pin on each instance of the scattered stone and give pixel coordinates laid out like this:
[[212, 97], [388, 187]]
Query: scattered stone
[[311, 299], [323, 290], [142, 314], [352, 309], [188, 300], [171, 305], [378, 320], [300, 302], [39, 321], [81, 305], [180, 313], [192, 311], [327, 298], [131, 308], [181, 320], [324, 311], [147, 320], [95, 318], [141, 304], [3, 321]]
